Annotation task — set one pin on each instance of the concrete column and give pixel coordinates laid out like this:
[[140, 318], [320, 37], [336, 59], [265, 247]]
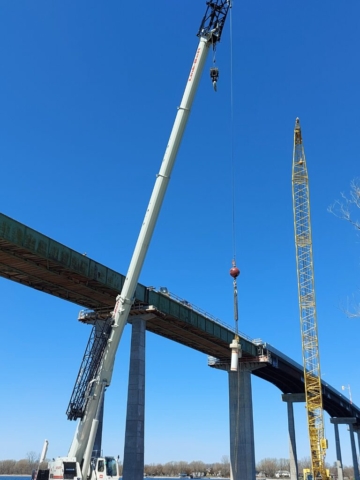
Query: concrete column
[[290, 398], [242, 449], [133, 467], [338, 452], [353, 451], [347, 421], [357, 431]]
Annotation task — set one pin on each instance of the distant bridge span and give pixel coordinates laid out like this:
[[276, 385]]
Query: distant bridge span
[[37, 261]]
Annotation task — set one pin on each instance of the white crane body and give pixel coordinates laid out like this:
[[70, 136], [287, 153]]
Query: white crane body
[[124, 301], [83, 441]]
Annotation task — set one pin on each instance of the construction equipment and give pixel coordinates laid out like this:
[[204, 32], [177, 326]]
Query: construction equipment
[[307, 306], [86, 401], [71, 466], [235, 345]]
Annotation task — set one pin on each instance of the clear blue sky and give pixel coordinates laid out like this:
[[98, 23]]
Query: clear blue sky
[[89, 94]]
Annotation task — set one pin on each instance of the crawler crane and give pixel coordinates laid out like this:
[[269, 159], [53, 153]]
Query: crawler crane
[[86, 402], [307, 305]]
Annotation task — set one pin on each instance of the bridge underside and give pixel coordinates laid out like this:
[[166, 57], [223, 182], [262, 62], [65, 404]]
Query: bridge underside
[[32, 259]]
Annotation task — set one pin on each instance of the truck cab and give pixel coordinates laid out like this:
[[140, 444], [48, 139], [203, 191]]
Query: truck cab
[[104, 468]]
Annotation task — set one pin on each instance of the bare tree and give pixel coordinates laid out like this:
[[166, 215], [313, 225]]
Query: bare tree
[[268, 466], [305, 462], [348, 204], [346, 209], [284, 464], [348, 472], [120, 466], [8, 467], [170, 469], [197, 466], [225, 465], [153, 470], [33, 458], [183, 467], [23, 467]]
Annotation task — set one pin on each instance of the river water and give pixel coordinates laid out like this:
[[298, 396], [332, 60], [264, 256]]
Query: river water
[[14, 477]]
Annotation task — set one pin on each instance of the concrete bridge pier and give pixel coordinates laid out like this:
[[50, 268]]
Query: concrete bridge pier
[[290, 398], [353, 451], [357, 431], [133, 465], [347, 421], [242, 445], [242, 448], [339, 464]]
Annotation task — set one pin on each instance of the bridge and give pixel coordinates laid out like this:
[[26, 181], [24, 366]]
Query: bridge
[[32, 259]]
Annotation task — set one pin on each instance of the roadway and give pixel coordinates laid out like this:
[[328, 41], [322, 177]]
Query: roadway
[[35, 260]]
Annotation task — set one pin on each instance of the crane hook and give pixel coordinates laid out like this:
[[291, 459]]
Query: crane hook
[[214, 75]]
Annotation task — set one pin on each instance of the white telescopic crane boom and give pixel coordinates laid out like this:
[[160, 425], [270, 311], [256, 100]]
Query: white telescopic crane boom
[[209, 34]]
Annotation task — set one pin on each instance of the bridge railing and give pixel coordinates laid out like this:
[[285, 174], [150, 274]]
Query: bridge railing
[[87, 316], [164, 291]]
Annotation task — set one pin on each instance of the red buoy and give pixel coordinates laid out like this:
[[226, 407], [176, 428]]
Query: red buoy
[[234, 272]]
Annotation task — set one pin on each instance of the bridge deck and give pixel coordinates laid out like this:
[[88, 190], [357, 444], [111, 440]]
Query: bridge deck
[[32, 259]]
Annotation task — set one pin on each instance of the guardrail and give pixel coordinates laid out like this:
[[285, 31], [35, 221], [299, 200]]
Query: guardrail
[[104, 312], [164, 291]]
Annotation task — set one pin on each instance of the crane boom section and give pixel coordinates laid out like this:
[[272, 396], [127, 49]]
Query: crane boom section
[[307, 305], [209, 34]]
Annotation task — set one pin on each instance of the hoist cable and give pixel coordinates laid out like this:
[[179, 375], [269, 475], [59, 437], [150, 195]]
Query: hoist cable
[[232, 158], [232, 136]]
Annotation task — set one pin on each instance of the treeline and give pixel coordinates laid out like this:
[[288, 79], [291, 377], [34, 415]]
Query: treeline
[[172, 469], [269, 466], [21, 467], [266, 467]]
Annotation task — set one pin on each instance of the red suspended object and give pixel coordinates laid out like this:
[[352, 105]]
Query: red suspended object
[[234, 271]]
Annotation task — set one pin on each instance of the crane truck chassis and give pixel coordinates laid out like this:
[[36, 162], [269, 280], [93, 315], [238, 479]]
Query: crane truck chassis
[[67, 468], [80, 464]]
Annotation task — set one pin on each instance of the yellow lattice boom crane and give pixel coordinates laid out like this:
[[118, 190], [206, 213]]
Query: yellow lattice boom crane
[[307, 306]]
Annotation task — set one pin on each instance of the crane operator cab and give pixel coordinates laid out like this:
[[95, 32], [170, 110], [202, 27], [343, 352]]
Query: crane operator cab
[[104, 468]]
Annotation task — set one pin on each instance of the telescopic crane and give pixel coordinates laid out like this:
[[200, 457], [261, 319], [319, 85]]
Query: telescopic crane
[[307, 306], [82, 445]]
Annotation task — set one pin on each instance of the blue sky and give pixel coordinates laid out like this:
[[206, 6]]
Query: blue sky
[[89, 95]]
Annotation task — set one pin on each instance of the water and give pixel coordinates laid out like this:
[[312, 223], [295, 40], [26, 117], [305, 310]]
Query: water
[[25, 477], [15, 477]]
